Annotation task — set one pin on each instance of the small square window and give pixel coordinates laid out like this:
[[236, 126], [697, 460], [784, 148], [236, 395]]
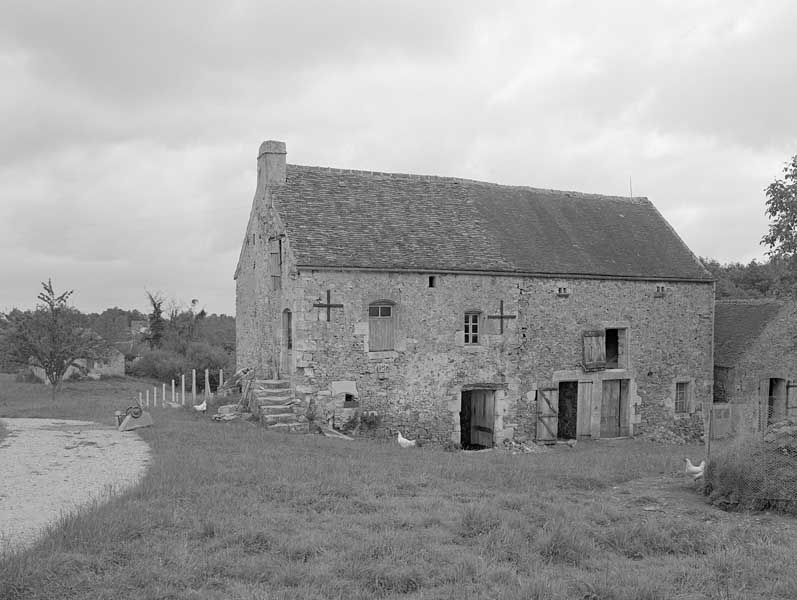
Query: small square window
[[432, 281], [660, 290], [385, 311], [373, 311], [563, 291], [472, 328]]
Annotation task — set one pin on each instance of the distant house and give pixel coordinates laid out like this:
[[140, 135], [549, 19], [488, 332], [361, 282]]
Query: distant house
[[114, 365], [755, 364], [468, 311]]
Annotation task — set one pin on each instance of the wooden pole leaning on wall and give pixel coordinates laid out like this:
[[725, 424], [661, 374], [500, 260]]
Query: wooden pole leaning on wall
[[182, 387], [193, 386]]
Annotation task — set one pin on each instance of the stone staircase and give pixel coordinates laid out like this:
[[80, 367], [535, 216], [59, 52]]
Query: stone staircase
[[276, 407]]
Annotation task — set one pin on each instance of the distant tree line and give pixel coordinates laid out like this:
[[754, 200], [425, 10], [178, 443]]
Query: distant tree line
[[775, 278]]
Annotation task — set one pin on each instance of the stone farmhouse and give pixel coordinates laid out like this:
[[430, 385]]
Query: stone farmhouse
[[465, 311], [755, 364]]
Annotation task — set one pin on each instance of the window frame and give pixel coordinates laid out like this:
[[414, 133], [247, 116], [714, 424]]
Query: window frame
[[685, 387], [472, 318]]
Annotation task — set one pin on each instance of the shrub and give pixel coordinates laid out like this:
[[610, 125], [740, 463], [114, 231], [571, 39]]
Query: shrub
[[201, 356], [754, 474], [159, 364]]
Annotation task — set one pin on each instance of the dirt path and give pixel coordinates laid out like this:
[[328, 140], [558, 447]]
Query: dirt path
[[50, 467]]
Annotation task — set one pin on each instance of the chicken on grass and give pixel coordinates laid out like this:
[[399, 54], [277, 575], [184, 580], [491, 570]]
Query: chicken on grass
[[695, 471]]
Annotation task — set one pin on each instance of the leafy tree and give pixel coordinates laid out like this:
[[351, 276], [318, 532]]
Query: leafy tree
[[782, 210], [52, 337]]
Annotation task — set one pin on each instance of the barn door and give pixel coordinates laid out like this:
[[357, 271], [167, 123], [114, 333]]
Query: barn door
[[477, 418], [610, 408], [547, 415], [482, 421], [584, 419]]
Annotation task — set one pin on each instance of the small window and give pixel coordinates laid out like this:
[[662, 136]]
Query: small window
[[660, 289], [681, 397], [432, 281], [563, 291], [471, 327], [381, 326]]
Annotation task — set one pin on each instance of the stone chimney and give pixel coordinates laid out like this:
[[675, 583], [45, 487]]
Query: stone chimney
[[271, 163]]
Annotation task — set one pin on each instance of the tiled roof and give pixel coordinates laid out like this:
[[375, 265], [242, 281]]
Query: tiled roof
[[737, 325], [337, 218]]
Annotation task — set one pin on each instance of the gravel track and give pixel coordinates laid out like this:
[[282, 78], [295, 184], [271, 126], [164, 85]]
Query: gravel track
[[51, 467]]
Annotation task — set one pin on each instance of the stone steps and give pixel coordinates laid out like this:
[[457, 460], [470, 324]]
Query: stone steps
[[275, 407]]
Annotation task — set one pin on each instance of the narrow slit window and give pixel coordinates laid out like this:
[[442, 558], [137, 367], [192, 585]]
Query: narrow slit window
[[432, 281], [681, 397]]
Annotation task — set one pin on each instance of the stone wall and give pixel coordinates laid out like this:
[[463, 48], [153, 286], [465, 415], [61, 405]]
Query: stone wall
[[416, 387]]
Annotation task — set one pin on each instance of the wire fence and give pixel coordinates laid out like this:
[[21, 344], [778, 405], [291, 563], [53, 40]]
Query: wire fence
[[755, 468]]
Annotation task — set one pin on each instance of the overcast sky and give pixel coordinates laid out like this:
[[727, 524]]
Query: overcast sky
[[130, 129]]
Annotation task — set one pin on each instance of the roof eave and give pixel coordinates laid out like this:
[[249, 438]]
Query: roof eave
[[504, 273]]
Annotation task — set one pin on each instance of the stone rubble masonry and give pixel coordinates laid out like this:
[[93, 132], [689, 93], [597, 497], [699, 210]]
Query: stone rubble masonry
[[416, 387]]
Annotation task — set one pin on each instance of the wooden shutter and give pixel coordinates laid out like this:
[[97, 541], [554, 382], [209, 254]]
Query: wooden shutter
[[547, 415], [275, 262], [594, 350], [381, 327]]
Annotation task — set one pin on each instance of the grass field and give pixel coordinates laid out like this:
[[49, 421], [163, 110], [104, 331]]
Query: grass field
[[229, 510]]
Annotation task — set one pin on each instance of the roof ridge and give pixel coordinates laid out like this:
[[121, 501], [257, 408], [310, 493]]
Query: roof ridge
[[419, 177]]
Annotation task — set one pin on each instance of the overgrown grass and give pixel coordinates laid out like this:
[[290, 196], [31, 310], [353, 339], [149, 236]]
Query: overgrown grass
[[751, 474], [229, 510]]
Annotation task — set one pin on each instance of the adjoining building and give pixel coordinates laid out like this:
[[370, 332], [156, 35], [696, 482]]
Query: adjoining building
[[755, 364]]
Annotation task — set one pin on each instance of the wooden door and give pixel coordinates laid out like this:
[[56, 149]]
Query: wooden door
[[482, 422], [286, 344], [610, 408], [584, 419], [547, 415]]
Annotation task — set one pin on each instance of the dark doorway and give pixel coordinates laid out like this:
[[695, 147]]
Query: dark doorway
[[568, 410], [477, 419], [776, 401], [286, 343]]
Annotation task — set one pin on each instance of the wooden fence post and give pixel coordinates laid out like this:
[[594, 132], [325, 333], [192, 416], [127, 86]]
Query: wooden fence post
[[154, 396], [193, 385], [207, 383], [172, 391], [140, 399], [182, 388], [221, 379], [163, 396], [147, 398]]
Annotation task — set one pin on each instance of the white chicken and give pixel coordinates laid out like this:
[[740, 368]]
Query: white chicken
[[404, 442], [695, 472], [201, 407]]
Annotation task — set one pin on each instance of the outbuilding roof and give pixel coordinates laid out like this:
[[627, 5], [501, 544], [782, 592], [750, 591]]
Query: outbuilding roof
[[737, 325], [386, 221]]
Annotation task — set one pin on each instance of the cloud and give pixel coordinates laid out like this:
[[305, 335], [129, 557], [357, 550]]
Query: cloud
[[130, 130]]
